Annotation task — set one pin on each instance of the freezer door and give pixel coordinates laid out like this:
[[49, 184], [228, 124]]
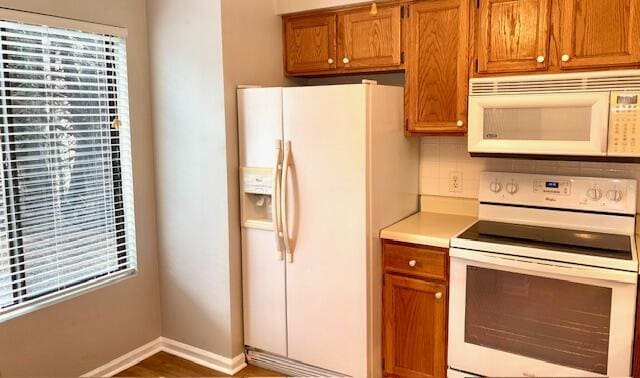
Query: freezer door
[[263, 274], [327, 220], [259, 125]]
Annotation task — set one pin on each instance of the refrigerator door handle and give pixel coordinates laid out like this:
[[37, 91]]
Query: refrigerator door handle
[[275, 199], [283, 201]]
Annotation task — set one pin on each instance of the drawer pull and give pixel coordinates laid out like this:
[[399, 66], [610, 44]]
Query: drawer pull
[[412, 263], [438, 295]]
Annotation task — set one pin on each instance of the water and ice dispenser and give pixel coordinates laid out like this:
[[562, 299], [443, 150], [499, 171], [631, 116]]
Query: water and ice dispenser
[[256, 192]]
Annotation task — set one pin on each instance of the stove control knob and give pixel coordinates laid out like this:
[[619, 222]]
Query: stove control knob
[[495, 187], [512, 188], [615, 195], [594, 194]]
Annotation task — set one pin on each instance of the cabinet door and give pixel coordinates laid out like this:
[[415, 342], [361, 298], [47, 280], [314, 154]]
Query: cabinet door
[[310, 43], [600, 33], [367, 41], [513, 35], [414, 327], [437, 66]]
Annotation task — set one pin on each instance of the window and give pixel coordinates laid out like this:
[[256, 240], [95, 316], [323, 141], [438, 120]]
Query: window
[[66, 200]]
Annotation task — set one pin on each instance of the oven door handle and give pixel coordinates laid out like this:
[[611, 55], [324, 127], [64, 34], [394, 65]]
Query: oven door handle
[[549, 267]]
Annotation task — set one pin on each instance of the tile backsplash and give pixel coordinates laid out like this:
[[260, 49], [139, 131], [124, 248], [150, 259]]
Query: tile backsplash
[[446, 169]]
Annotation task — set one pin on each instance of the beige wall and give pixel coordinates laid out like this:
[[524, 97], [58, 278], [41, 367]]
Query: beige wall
[[441, 155], [193, 217], [251, 55], [292, 6], [194, 75], [75, 336]]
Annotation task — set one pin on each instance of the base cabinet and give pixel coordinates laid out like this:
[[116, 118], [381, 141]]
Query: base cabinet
[[414, 311]]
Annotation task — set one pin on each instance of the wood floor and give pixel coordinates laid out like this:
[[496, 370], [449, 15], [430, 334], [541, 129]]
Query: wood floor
[[166, 365]]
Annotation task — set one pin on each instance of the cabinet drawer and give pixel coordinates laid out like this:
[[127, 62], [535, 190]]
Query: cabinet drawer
[[415, 260]]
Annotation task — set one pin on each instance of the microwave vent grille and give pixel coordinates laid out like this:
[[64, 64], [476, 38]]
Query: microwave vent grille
[[604, 81]]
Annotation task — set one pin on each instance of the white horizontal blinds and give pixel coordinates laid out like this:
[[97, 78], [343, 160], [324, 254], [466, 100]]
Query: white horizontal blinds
[[66, 212]]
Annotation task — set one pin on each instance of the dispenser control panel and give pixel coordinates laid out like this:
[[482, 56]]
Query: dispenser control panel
[[257, 182], [256, 197]]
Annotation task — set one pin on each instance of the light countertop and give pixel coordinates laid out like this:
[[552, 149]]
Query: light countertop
[[425, 228]]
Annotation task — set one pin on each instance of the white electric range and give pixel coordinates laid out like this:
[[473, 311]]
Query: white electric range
[[544, 284]]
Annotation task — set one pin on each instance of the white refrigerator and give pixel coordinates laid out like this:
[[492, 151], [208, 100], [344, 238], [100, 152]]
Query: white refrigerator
[[323, 170]]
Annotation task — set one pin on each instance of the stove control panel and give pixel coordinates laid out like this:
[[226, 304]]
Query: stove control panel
[[561, 192]]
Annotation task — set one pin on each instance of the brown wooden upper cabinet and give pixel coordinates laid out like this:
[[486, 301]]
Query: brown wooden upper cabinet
[[437, 64], [556, 35], [366, 41], [599, 33], [513, 35], [352, 40], [310, 43]]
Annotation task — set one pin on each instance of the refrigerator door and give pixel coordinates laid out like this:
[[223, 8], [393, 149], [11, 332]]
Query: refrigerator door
[[263, 274], [327, 222]]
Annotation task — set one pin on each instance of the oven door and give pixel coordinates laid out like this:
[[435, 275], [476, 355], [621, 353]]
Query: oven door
[[551, 124], [520, 317]]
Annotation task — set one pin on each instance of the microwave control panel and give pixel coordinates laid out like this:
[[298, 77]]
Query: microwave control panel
[[624, 124]]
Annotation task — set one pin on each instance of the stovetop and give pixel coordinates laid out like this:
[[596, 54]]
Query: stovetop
[[551, 239]]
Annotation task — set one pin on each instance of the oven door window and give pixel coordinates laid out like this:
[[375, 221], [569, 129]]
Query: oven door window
[[552, 320]]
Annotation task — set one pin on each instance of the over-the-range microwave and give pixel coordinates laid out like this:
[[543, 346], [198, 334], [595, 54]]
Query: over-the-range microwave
[[593, 114]]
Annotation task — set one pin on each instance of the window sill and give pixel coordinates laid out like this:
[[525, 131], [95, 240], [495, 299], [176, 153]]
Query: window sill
[[63, 295]]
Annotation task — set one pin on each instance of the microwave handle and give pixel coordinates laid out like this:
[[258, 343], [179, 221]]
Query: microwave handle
[[555, 268]]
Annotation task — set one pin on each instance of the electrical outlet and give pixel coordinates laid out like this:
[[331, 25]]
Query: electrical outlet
[[455, 182]]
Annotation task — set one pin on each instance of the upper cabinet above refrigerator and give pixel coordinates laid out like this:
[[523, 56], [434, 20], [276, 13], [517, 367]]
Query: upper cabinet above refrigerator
[[349, 41], [310, 44]]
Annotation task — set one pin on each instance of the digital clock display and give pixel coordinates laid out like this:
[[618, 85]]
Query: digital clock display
[[628, 100], [552, 184]]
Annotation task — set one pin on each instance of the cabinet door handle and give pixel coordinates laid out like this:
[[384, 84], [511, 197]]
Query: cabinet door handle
[[540, 59], [460, 123], [345, 60], [565, 57], [330, 61], [412, 263], [438, 295]]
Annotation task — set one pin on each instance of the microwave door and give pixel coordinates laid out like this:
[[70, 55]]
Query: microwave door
[[539, 124]]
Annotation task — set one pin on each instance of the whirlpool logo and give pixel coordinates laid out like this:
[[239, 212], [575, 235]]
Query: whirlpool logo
[[491, 136]]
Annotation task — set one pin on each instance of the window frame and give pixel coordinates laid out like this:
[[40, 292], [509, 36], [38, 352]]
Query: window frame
[[123, 217]]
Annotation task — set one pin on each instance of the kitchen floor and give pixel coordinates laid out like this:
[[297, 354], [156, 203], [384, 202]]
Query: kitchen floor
[[166, 365]]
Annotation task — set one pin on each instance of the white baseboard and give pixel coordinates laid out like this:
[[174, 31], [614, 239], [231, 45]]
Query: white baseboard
[[205, 358], [128, 360], [199, 356]]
